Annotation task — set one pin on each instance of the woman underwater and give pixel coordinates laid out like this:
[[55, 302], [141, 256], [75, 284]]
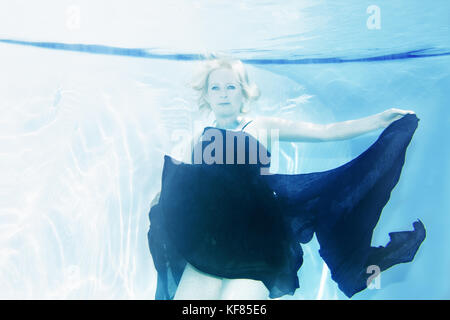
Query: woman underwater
[[223, 228]]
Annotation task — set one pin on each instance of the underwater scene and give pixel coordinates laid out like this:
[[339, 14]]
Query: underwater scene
[[93, 95]]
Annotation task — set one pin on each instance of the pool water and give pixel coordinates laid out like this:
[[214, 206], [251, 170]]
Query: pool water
[[93, 95]]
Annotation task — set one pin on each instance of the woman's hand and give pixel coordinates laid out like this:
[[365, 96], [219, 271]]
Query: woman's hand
[[391, 115]]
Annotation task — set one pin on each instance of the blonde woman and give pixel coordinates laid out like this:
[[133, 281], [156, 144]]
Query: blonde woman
[[223, 228]]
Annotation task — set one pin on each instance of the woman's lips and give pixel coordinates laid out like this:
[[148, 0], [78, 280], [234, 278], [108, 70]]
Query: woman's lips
[[224, 104]]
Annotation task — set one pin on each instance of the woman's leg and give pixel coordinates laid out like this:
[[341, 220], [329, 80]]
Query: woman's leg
[[197, 285], [243, 289]]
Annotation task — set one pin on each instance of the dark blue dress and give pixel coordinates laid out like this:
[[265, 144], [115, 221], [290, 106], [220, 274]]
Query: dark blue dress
[[229, 220]]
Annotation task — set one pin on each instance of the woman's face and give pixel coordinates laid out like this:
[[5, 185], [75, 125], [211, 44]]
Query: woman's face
[[224, 93]]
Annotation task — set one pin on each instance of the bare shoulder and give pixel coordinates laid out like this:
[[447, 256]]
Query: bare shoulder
[[257, 122], [254, 125]]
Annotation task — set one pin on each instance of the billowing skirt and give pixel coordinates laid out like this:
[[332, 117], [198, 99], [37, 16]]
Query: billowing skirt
[[231, 221]]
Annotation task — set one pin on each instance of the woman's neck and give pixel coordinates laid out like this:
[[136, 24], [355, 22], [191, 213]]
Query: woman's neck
[[229, 123]]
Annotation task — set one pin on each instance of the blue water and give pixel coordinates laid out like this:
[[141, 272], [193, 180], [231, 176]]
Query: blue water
[[93, 95]]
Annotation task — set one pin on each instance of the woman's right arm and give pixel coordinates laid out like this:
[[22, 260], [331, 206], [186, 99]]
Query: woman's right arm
[[155, 199]]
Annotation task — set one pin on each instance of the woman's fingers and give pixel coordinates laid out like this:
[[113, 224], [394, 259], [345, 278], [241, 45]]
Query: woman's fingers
[[401, 111], [393, 114]]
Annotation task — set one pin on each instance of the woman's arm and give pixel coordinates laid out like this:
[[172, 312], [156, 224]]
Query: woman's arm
[[297, 131]]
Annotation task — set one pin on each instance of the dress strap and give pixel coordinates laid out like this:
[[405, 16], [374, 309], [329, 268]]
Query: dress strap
[[246, 125]]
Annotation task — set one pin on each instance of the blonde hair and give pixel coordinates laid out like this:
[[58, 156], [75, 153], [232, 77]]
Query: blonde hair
[[200, 82]]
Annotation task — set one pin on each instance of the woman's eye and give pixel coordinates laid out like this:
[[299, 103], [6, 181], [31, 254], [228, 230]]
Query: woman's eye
[[214, 88], [231, 87]]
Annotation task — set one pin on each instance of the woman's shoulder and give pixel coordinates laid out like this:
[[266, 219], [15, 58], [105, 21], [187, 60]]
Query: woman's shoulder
[[252, 123], [254, 126], [246, 121]]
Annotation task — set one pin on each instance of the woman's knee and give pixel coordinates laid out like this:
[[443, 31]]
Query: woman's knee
[[244, 289], [197, 285]]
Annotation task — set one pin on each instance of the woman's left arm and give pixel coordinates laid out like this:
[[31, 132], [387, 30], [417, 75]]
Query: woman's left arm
[[297, 131]]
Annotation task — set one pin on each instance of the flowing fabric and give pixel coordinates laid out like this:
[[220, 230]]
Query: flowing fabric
[[227, 217]]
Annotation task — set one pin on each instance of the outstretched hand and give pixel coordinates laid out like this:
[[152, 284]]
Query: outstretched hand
[[393, 114]]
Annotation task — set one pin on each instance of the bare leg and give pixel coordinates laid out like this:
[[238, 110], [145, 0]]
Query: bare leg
[[244, 289], [197, 285]]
